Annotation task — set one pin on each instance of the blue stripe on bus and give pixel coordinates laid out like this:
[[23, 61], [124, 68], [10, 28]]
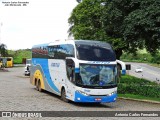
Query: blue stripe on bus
[[45, 68], [100, 99]]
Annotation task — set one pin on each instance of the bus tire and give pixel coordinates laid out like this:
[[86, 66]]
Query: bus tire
[[63, 95], [36, 83], [39, 86]]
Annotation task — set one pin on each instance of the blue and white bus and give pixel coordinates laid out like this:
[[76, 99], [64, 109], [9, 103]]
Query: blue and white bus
[[76, 70]]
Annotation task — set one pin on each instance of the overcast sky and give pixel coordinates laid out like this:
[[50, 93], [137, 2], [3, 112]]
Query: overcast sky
[[40, 21]]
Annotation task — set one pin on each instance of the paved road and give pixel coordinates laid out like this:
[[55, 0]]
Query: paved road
[[17, 94], [149, 72]]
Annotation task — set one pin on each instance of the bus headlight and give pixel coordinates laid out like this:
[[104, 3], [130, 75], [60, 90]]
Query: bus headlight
[[82, 92], [112, 93]]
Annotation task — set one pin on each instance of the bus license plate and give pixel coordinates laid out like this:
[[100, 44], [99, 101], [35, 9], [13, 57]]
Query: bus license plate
[[98, 99]]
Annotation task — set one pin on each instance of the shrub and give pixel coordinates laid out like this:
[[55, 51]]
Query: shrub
[[136, 86]]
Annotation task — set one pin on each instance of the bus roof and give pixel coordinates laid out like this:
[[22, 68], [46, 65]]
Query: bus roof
[[58, 42], [77, 42], [92, 43]]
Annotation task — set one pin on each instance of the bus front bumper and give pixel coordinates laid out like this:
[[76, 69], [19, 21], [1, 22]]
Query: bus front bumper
[[95, 99]]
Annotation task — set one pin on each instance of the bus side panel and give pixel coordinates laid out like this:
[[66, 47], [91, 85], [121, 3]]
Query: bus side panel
[[57, 68], [40, 66]]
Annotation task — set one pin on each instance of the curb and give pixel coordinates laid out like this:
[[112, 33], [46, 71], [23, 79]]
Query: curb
[[148, 101]]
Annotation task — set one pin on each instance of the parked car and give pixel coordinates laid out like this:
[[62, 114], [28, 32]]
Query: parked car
[[139, 69], [27, 67]]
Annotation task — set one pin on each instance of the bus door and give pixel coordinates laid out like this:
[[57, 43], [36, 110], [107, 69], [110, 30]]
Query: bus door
[[57, 72], [70, 80]]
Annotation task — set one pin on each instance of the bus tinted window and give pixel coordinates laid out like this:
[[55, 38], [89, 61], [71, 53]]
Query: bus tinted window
[[61, 51], [8, 59], [95, 53], [40, 52]]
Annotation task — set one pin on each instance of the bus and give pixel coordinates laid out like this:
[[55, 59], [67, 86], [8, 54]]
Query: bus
[[76, 70], [6, 61]]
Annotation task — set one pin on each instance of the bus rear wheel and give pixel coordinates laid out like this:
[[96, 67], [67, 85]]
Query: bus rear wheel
[[63, 96], [39, 86]]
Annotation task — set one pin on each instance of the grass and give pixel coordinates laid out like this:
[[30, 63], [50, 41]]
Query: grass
[[139, 61], [139, 97], [136, 88], [127, 79], [142, 56]]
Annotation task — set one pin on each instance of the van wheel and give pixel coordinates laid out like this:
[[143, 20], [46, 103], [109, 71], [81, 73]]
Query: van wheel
[[39, 86], [63, 96]]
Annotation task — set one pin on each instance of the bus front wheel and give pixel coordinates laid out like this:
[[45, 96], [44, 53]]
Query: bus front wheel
[[63, 95]]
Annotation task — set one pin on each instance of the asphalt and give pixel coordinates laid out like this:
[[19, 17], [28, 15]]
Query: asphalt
[[149, 72]]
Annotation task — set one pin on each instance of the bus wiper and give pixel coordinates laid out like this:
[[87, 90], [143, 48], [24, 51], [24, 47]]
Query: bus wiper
[[112, 85]]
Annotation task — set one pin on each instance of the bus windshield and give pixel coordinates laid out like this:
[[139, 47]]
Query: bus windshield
[[95, 53], [97, 75]]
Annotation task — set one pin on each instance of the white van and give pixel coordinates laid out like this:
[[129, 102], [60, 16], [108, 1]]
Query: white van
[[27, 67]]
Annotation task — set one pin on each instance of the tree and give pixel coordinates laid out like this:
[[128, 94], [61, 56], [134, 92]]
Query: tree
[[3, 50], [141, 27], [128, 25], [79, 1], [88, 21]]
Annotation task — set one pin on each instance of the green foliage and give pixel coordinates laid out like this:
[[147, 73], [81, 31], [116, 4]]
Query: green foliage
[[136, 86], [88, 22], [156, 59], [127, 24], [3, 50], [138, 97], [142, 26], [141, 57], [18, 55], [133, 80]]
